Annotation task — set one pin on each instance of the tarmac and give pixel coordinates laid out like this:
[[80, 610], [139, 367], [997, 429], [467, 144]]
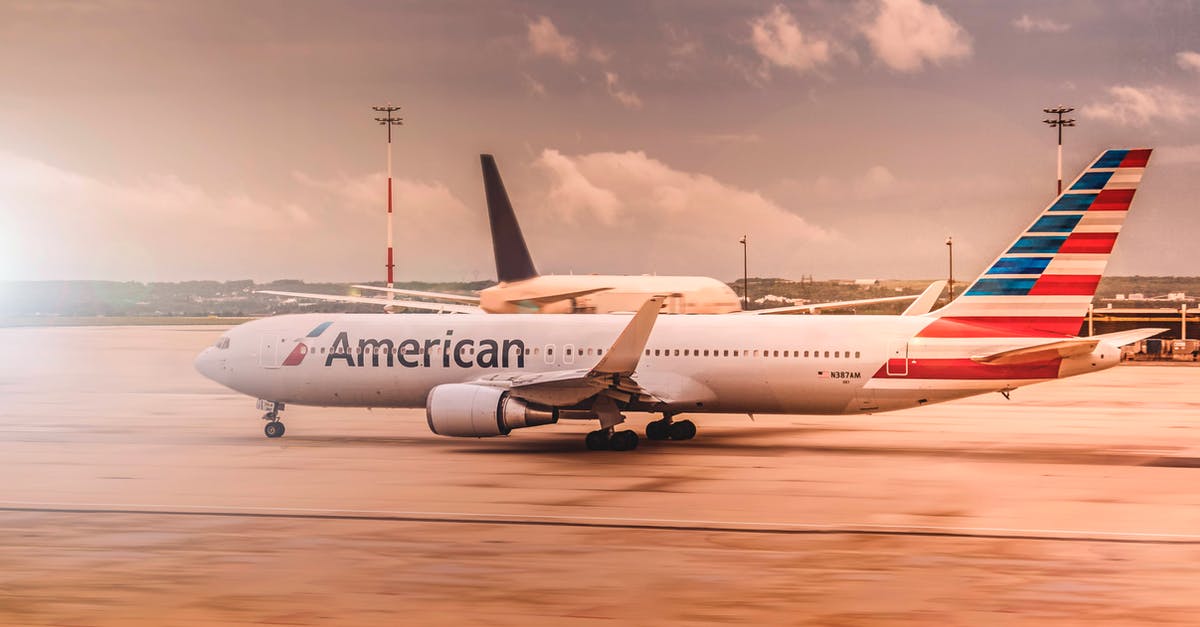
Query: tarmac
[[134, 491]]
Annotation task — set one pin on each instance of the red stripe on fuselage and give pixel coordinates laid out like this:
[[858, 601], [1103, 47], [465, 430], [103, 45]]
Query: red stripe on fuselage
[[1099, 243], [966, 369], [296, 356], [1002, 326], [1136, 159], [1112, 200], [1065, 285]]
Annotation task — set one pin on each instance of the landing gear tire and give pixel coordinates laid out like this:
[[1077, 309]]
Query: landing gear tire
[[597, 440], [623, 441], [274, 429], [683, 430], [658, 430]]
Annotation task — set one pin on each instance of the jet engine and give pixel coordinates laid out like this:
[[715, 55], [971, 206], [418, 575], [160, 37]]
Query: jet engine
[[480, 411]]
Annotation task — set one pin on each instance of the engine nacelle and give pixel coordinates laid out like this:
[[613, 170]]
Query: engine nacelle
[[479, 411]]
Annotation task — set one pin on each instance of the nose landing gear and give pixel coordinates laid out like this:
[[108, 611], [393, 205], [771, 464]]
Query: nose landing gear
[[274, 428]]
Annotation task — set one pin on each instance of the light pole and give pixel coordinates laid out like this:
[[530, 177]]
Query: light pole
[[950, 249], [745, 274], [1059, 123], [389, 121]]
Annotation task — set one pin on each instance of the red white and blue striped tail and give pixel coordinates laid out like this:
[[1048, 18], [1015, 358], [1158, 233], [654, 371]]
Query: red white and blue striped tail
[[1042, 284]]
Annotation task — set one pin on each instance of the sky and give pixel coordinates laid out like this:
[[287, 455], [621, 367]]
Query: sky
[[163, 141]]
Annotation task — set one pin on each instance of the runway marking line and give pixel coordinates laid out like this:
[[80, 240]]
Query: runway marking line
[[605, 522]]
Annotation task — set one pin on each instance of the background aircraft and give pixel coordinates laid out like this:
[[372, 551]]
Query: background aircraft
[[521, 289], [480, 376]]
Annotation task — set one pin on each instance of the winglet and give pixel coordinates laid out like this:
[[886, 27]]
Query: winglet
[[623, 356], [925, 302], [513, 262]]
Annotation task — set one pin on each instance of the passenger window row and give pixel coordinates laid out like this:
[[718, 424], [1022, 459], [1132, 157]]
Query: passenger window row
[[793, 354], [656, 352]]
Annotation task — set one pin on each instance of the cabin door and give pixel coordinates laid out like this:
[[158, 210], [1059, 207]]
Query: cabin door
[[268, 351]]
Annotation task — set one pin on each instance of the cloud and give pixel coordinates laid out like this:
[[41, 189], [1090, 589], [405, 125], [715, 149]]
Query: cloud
[[729, 138], [535, 87], [572, 194], [1029, 24], [682, 47], [1139, 106], [162, 227], [627, 98], [599, 55], [652, 212], [778, 40], [1188, 60], [908, 33], [545, 40]]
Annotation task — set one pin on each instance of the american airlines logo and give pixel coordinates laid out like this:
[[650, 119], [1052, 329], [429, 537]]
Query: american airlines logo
[[413, 353]]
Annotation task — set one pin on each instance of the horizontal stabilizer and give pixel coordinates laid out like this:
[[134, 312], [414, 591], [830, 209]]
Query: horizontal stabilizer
[[1121, 338], [1064, 348], [1040, 352]]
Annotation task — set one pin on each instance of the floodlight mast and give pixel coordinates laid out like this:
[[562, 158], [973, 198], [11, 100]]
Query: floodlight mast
[[745, 242], [389, 121], [950, 252], [1059, 123]]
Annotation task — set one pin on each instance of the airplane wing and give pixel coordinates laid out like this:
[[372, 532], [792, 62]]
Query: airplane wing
[[612, 375], [553, 297], [925, 302], [813, 307], [382, 302], [1063, 348], [455, 298]]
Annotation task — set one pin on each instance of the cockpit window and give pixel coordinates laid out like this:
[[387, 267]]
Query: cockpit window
[[222, 343]]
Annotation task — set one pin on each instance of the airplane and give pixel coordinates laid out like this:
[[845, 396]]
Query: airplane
[[521, 289], [484, 376]]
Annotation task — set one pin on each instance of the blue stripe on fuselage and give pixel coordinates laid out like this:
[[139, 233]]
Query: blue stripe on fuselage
[[319, 329]]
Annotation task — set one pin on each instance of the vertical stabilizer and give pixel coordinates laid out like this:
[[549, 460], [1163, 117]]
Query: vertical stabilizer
[[1043, 283], [513, 262]]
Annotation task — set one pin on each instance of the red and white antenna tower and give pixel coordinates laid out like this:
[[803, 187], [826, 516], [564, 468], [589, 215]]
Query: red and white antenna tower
[[389, 121]]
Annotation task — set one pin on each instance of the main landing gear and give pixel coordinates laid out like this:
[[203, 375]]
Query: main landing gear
[[274, 428], [610, 440], [667, 429]]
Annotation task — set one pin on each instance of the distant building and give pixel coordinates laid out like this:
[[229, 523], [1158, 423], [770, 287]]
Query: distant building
[[773, 299]]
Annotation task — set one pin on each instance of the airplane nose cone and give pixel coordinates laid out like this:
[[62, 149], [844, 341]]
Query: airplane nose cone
[[206, 364]]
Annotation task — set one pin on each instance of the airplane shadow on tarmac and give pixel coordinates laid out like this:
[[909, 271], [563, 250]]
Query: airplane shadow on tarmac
[[766, 441]]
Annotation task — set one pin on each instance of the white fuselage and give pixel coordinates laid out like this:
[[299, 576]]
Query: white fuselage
[[722, 364]]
